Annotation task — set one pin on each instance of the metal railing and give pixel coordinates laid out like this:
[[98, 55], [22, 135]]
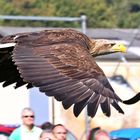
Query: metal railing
[[81, 19]]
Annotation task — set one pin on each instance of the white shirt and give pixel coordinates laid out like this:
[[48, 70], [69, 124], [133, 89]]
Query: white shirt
[[33, 134]]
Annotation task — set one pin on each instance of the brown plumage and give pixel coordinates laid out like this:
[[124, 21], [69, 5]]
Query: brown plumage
[[61, 63]]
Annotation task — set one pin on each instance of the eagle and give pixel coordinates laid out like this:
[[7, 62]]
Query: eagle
[[61, 63]]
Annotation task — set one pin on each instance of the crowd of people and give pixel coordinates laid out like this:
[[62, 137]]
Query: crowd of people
[[29, 131], [47, 131], [53, 132]]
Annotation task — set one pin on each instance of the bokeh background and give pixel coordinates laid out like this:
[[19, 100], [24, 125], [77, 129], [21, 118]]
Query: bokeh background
[[117, 20]]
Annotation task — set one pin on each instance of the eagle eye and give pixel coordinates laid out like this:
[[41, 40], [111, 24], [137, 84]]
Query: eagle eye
[[112, 44]]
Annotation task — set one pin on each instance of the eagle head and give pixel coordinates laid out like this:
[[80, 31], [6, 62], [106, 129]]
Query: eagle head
[[103, 47]]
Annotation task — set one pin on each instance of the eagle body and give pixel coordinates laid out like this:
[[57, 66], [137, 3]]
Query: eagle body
[[61, 64]]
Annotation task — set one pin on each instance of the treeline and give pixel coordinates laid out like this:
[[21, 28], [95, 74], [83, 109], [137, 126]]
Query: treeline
[[100, 13]]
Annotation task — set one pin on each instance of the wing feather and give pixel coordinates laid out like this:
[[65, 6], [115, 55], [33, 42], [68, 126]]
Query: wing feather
[[93, 104], [105, 106]]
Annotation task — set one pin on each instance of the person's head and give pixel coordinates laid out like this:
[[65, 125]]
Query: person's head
[[92, 132], [27, 116], [47, 126], [47, 135], [60, 132], [101, 135]]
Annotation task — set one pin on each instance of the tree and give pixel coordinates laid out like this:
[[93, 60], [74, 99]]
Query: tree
[[100, 13]]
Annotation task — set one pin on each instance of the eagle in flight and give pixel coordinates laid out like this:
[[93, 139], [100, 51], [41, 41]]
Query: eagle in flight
[[60, 62]]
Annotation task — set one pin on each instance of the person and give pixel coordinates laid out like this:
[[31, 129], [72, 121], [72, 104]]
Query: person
[[47, 126], [47, 135], [60, 132], [92, 133], [101, 135], [27, 130]]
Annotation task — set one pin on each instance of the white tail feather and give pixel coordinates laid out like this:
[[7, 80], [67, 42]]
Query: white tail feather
[[7, 45]]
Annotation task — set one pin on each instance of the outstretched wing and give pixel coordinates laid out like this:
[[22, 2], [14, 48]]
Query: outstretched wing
[[68, 72]]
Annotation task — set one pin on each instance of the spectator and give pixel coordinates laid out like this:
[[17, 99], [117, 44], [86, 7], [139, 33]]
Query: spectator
[[60, 132], [92, 133], [47, 126], [101, 135], [47, 135], [27, 130]]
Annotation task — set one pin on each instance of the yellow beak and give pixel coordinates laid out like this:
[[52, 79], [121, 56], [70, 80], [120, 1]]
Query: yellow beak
[[119, 48]]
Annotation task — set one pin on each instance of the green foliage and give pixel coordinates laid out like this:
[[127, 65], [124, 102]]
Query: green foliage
[[100, 13]]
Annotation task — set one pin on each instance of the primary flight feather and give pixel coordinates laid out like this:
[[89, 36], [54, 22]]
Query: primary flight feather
[[61, 63]]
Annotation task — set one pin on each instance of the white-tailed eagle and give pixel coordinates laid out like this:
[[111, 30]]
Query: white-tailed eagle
[[61, 63]]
